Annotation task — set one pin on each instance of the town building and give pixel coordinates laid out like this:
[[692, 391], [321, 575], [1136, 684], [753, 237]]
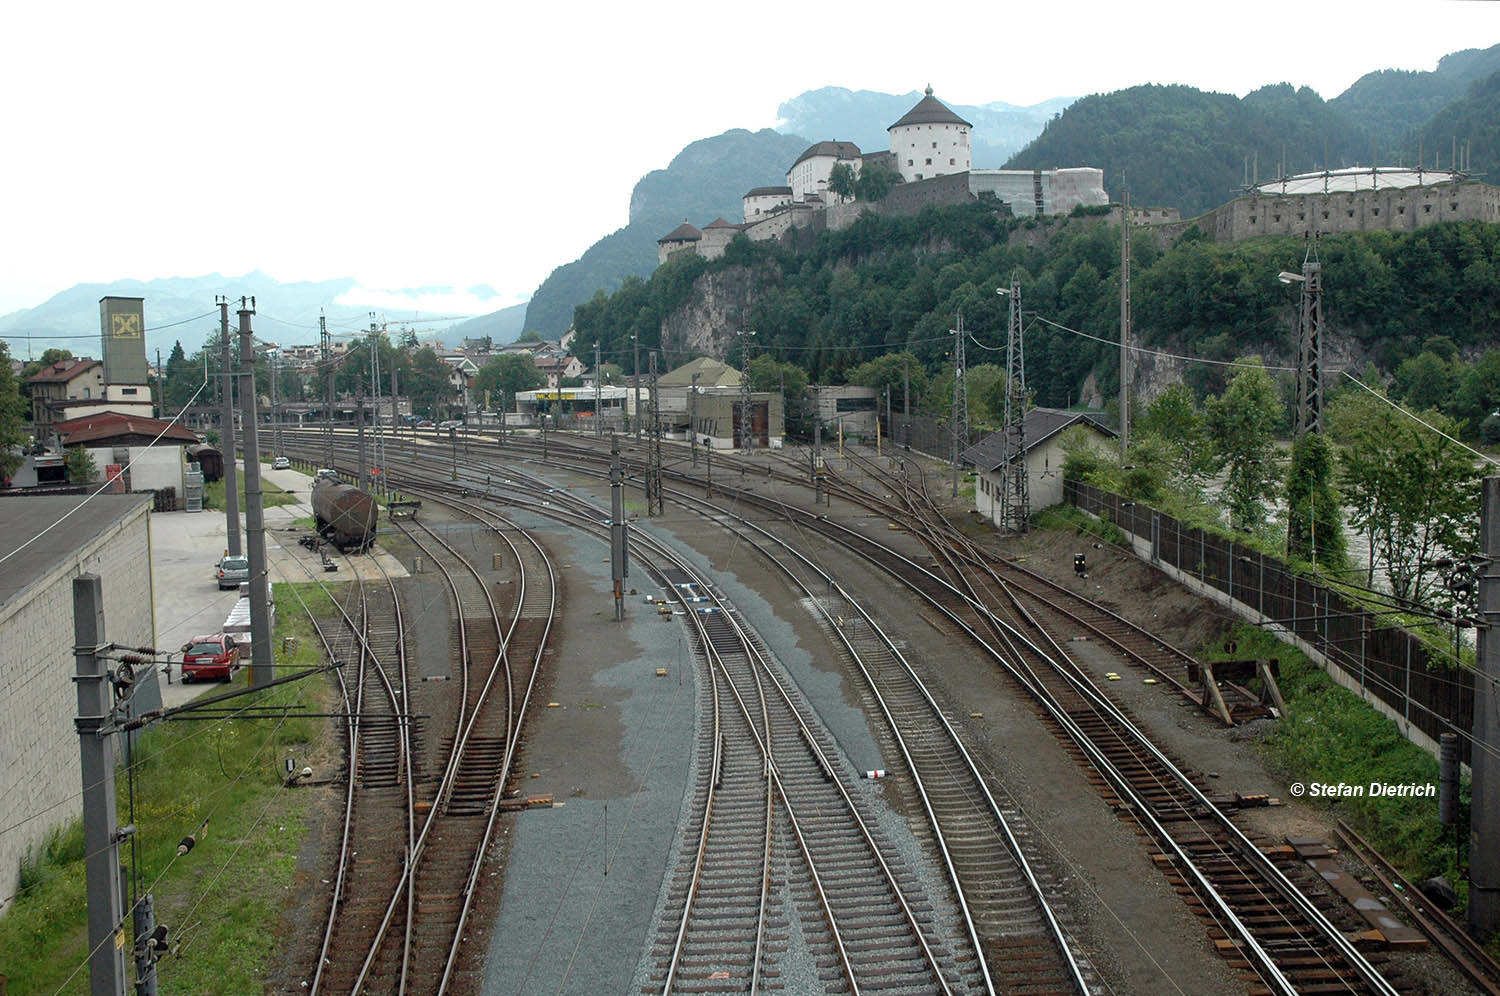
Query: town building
[[1042, 446], [133, 453], [64, 536], [80, 379], [810, 173]]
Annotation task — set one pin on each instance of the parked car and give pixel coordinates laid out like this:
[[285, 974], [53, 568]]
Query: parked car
[[452, 423], [425, 423], [281, 463], [211, 656], [325, 474], [233, 571]]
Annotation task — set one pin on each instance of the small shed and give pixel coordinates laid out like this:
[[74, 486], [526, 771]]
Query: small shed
[[1042, 446]]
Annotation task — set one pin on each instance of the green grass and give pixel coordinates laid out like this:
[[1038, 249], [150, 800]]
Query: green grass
[[271, 495], [224, 900], [1330, 736], [1070, 519]]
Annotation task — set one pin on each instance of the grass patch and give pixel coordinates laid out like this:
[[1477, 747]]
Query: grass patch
[[1068, 518], [1330, 736], [222, 901], [271, 495]]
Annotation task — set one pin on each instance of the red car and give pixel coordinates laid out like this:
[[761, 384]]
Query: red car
[[214, 656]]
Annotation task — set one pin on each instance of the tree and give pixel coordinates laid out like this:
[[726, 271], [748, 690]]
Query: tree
[[1315, 520], [183, 378], [874, 182], [841, 180], [1425, 381], [429, 384], [889, 372], [1411, 491], [13, 412], [1175, 419], [1240, 425], [80, 465], [510, 373]]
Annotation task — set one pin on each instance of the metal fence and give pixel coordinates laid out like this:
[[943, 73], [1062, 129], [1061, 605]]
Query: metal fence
[[1384, 660]]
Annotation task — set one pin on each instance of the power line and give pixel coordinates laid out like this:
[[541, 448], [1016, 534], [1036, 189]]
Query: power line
[[1419, 420]]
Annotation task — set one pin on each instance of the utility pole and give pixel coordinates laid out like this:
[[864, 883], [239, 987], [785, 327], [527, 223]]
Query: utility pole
[[96, 748], [375, 390], [1484, 818], [693, 419], [1015, 492], [160, 401], [746, 419], [635, 375], [262, 653], [654, 502], [598, 392], [906, 400], [226, 434], [1310, 345], [960, 417], [619, 558], [275, 359], [1124, 324], [325, 345]]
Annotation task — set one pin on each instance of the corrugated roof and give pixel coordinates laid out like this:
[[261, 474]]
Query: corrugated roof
[[836, 149], [62, 371], [682, 233], [711, 373], [930, 110], [24, 517], [114, 425], [1041, 424]]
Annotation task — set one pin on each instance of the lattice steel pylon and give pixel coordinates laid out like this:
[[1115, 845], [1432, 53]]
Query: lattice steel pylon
[[1310, 345], [959, 421], [654, 501], [1015, 491], [747, 419]]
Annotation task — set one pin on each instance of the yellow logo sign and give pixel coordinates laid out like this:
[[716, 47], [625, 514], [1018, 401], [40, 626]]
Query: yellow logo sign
[[125, 326]]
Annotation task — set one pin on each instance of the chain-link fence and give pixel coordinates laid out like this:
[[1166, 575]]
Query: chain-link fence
[[1386, 661]]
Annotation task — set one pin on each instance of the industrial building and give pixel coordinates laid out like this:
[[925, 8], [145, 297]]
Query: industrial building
[[47, 542]]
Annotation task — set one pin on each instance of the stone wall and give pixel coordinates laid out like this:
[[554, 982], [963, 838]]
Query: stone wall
[[41, 776], [1392, 209]]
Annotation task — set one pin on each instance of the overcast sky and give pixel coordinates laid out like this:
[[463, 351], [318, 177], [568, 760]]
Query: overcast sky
[[464, 145]]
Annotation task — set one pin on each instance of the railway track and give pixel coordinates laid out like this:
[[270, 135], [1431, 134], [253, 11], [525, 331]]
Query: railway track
[[1266, 925]]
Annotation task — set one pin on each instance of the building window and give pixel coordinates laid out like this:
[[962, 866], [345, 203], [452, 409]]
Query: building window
[[1426, 208], [127, 390], [908, 162], [1350, 213], [1275, 217], [929, 161], [1301, 216], [934, 145], [1252, 219], [952, 163], [1401, 209], [1325, 215], [1453, 205]]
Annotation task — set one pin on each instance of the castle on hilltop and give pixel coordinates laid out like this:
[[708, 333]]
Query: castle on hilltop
[[930, 150]]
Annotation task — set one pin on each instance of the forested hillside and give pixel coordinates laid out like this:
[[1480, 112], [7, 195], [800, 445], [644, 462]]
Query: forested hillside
[[1393, 103], [1473, 118], [890, 284], [1180, 147], [704, 181]]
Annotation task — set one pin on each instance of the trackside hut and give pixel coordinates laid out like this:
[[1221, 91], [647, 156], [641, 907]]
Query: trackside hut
[[1043, 454]]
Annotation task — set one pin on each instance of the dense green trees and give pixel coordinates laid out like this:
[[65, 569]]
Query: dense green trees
[[13, 413], [509, 373], [1241, 425]]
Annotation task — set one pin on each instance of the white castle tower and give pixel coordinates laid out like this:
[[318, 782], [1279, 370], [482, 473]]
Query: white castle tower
[[930, 140]]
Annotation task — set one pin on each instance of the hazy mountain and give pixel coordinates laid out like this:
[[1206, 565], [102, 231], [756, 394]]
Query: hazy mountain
[[862, 117], [1474, 117], [505, 325], [183, 308], [704, 181]]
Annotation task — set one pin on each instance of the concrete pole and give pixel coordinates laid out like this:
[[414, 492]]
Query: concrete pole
[[1484, 817], [263, 659], [618, 556], [693, 419], [635, 375], [226, 436], [1124, 324], [97, 753]]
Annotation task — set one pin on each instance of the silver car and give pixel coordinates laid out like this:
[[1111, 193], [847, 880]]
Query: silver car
[[233, 571]]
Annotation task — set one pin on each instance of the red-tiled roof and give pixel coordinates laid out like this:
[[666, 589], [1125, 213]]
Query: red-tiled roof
[[113, 425], [62, 371]]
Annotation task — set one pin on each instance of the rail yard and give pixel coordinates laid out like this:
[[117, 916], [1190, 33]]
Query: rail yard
[[852, 745]]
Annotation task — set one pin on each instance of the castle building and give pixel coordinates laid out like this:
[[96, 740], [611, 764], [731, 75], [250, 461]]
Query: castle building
[[762, 201], [684, 236], [809, 174], [930, 140]]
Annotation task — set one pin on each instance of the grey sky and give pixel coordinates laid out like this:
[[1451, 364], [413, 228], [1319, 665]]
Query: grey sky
[[413, 145]]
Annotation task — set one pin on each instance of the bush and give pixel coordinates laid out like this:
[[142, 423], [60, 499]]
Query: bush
[[1489, 429]]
